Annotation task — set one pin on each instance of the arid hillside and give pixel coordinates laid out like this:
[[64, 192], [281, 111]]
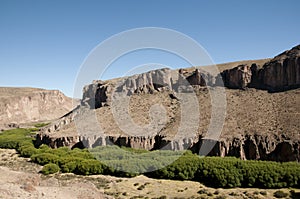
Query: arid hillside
[[27, 105], [260, 100]]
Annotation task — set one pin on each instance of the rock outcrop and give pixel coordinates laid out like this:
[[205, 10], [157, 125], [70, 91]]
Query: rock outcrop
[[282, 72], [238, 77], [148, 82], [246, 147], [97, 94], [279, 74], [256, 147], [23, 105], [259, 125]]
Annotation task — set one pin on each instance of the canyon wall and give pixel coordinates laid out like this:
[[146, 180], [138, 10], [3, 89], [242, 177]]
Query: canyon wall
[[26, 105], [259, 124], [248, 147]]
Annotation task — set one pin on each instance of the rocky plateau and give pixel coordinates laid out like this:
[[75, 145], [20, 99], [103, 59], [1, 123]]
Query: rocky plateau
[[261, 122], [19, 106]]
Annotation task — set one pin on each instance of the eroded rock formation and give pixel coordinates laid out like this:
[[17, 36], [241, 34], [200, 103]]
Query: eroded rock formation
[[257, 147], [255, 119], [282, 72], [279, 74], [149, 82], [238, 77], [22, 105]]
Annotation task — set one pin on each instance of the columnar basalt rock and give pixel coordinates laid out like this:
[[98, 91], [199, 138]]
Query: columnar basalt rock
[[97, 94], [282, 72], [201, 78], [238, 77], [255, 147], [248, 147], [148, 82], [279, 74]]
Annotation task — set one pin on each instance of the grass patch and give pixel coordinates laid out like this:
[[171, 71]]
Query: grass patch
[[40, 125]]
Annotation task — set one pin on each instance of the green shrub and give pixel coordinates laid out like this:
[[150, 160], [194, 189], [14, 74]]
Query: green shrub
[[69, 167], [45, 158], [27, 151], [50, 169], [90, 167]]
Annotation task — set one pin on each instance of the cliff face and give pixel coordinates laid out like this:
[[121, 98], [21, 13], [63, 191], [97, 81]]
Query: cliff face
[[22, 105], [282, 72], [279, 74], [256, 147], [246, 147], [96, 95], [259, 124], [238, 77]]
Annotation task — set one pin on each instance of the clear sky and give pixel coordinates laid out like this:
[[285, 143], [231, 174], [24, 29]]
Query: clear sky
[[44, 42]]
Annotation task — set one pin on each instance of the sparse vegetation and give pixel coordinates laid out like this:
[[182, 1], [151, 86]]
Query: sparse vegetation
[[40, 125], [212, 171]]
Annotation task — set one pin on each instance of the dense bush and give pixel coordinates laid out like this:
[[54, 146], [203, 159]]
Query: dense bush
[[178, 165], [50, 169], [27, 151], [232, 172], [90, 167], [45, 158]]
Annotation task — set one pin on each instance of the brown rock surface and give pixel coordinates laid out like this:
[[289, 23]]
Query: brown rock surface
[[282, 72], [258, 124], [238, 77], [22, 105]]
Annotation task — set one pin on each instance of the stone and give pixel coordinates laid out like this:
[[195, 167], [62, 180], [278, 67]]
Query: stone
[[282, 72], [238, 77], [148, 82]]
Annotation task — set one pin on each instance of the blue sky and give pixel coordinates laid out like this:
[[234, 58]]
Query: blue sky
[[43, 43]]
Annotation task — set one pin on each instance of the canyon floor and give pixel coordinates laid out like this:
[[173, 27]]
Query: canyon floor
[[19, 178]]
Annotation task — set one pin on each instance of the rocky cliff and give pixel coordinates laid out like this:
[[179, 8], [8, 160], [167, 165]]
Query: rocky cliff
[[259, 124], [279, 74], [23, 105], [282, 72]]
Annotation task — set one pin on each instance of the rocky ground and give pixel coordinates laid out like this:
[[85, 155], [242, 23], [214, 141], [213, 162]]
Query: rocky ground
[[19, 178]]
